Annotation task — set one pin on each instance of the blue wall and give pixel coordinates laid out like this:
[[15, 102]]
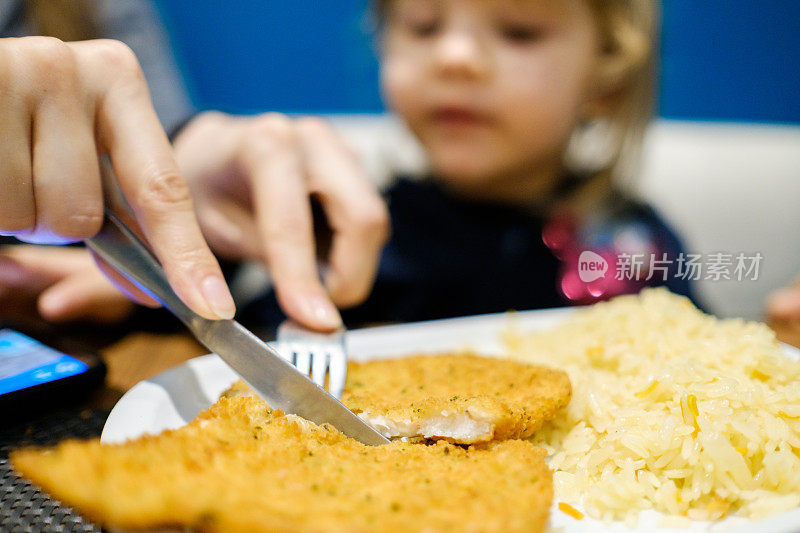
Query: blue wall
[[295, 55], [720, 60], [731, 60]]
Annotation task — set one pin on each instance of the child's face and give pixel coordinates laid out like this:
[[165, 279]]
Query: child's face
[[492, 88]]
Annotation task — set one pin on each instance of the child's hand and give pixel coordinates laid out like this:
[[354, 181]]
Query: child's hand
[[58, 284], [252, 179], [783, 313], [62, 104]]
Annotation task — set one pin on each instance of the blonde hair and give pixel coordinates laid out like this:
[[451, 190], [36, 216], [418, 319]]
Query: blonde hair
[[626, 75], [68, 20], [607, 147]]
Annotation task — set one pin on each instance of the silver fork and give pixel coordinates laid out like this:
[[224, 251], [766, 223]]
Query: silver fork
[[317, 355]]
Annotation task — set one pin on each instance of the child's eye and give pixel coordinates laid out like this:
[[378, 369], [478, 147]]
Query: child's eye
[[423, 27], [518, 33]]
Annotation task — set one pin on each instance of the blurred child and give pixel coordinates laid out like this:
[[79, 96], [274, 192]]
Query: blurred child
[[528, 110], [506, 98]]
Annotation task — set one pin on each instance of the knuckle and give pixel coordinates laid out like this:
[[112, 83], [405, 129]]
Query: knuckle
[[272, 125], [164, 188], [117, 57], [372, 219], [188, 258], [212, 118], [314, 126], [268, 134], [42, 47], [51, 60], [316, 129]]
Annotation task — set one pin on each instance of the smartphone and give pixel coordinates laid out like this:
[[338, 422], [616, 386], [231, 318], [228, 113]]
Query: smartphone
[[34, 375]]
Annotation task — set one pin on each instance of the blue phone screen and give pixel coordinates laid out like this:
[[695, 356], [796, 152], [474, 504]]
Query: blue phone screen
[[25, 362]]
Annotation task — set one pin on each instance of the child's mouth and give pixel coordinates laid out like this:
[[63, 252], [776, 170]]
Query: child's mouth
[[458, 117]]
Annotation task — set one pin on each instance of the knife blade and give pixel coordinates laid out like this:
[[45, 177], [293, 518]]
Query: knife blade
[[280, 384], [276, 381]]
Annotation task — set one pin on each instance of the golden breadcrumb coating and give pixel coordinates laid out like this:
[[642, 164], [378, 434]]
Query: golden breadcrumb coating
[[462, 397], [514, 398], [242, 467]]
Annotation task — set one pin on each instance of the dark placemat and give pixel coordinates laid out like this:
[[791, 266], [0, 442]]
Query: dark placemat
[[23, 508]]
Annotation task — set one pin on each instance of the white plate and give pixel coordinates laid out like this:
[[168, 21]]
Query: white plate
[[173, 398]]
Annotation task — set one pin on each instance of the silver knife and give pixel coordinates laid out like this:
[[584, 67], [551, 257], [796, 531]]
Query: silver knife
[[273, 379]]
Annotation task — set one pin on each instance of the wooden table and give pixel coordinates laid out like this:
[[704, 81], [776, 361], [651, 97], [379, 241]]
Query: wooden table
[[140, 355]]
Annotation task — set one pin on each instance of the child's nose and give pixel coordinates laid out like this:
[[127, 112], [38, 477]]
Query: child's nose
[[461, 54]]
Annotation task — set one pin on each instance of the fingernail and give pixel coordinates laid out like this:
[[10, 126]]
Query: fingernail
[[323, 312], [218, 297]]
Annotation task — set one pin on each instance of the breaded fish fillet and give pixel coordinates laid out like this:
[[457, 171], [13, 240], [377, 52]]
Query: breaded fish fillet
[[463, 398], [241, 467]]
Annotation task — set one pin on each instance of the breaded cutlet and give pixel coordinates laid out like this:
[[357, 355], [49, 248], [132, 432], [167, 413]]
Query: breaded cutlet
[[240, 466], [463, 398]]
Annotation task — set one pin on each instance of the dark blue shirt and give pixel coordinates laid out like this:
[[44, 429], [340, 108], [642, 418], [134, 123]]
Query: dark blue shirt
[[452, 257]]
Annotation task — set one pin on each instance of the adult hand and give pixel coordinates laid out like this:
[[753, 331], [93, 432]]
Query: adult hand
[[252, 179], [63, 105], [58, 284], [784, 304], [783, 313]]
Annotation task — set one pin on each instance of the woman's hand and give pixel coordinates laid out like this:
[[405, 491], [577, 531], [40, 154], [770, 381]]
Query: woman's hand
[[63, 105], [252, 179], [58, 284]]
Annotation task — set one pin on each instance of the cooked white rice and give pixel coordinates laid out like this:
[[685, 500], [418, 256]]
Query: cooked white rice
[[672, 410]]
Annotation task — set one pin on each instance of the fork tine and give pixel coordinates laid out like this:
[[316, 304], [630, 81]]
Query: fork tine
[[303, 361], [337, 367], [319, 365], [316, 355]]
